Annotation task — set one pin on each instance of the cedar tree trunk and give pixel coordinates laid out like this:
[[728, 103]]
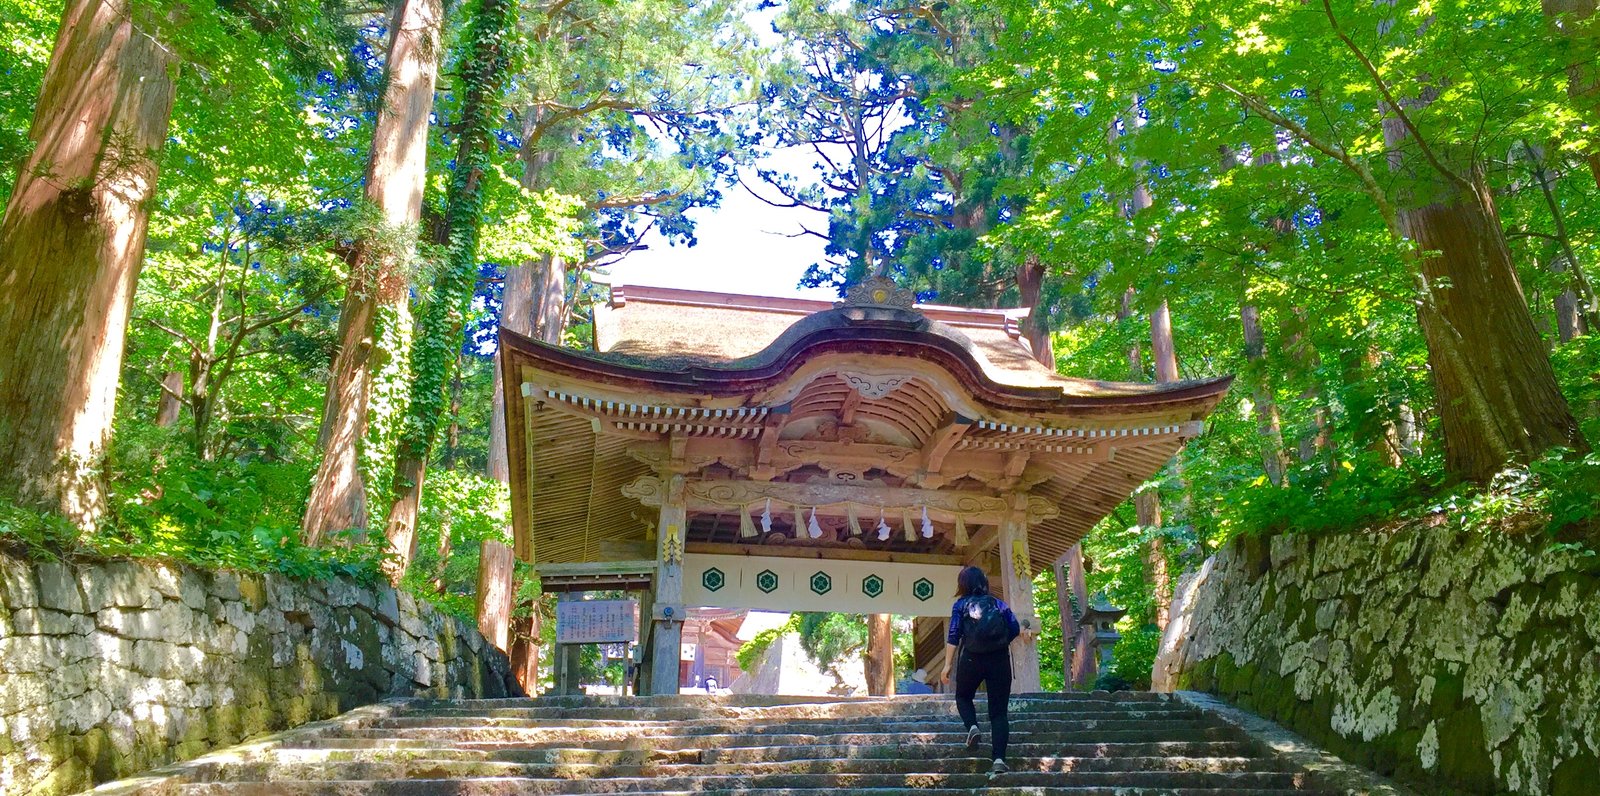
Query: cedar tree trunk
[[71, 246], [396, 175]]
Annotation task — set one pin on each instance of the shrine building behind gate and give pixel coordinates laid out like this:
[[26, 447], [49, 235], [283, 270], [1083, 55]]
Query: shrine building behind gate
[[720, 450]]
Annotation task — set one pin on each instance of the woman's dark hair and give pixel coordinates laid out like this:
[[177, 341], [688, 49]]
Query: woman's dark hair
[[972, 583]]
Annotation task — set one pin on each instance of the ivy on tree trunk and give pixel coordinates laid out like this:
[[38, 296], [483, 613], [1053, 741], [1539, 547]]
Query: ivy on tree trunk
[[433, 357]]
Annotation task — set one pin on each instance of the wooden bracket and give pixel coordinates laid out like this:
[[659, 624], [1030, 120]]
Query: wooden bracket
[[944, 440]]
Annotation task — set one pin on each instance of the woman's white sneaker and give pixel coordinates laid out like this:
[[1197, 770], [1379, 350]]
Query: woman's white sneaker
[[973, 736]]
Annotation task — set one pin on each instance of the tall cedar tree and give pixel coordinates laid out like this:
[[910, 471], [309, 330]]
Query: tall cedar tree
[[378, 284], [71, 247], [433, 358]]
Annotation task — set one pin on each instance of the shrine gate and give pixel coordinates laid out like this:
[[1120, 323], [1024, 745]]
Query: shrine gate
[[748, 452]]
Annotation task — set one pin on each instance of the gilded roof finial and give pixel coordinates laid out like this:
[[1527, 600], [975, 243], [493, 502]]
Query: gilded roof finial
[[878, 291]]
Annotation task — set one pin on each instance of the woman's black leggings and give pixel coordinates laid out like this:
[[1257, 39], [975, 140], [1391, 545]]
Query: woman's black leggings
[[993, 669]]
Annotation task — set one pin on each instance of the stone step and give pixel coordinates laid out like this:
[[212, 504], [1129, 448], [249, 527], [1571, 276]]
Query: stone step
[[895, 706], [483, 787], [780, 703], [1226, 782], [638, 753], [950, 737], [1021, 723], [333, 764], [622, 716]]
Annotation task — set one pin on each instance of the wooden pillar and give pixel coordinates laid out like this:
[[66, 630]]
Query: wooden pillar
[[646, 656], [1017, 589], [668, 612], [1072, 592], [879, 659], [495, 592]]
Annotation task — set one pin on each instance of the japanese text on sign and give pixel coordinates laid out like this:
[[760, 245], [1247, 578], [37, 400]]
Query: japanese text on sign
[[596, 621]]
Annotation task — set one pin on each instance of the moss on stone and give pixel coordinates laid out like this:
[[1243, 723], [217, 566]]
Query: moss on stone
[[1578, 776], [1463, 760]]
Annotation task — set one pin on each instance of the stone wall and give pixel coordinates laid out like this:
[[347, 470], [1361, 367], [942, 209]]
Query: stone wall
[[111, 668], [1459, 662]]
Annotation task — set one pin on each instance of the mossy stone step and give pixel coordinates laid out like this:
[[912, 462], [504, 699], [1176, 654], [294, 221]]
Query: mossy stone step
[[874, 726], [527, 763], [516, 787], [1225, 782], [617, 753], [950, 737]]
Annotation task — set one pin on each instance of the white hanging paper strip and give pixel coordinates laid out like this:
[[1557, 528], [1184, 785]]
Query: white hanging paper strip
[[747, 528], [766, 517], [812, 528], [883, 528], [927, 526]]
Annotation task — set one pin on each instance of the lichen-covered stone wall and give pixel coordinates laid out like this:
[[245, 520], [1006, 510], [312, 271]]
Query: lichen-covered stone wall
[[111, 668], [1460, 662]]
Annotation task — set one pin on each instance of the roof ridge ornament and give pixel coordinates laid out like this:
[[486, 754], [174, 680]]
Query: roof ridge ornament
[[878, 291]]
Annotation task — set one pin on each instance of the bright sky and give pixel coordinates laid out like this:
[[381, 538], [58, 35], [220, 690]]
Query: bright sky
[[743, 246]]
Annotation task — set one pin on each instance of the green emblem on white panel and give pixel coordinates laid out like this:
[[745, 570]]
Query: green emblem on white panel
[[767, 581], [713, 579], [872, 586], [821, 583], [922, 589]]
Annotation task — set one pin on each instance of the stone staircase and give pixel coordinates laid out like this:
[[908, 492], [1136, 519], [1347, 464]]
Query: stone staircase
[[1127, 744]]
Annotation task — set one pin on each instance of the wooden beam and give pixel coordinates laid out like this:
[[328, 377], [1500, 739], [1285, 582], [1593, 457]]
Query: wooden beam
[[822, 553]]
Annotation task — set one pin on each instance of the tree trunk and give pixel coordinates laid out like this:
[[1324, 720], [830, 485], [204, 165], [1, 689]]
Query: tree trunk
[[879, 658], [452, 433], [1498, 399], [1036, 327], [496, 591], [169, 406], [396, 176], [1268, 422], [71, 247], [482, 73]]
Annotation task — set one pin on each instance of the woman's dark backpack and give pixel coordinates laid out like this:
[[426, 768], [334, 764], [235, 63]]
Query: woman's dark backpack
[[983, 626]]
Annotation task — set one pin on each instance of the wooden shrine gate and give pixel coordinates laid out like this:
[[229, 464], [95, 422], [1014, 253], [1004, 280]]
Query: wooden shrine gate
[[749, 452]]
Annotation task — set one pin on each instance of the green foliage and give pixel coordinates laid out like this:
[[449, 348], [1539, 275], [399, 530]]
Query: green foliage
[[26, 28], [829, 639], [1134, 657], [167, 503], [460, 511]]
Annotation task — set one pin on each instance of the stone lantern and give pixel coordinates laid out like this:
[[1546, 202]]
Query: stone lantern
[[1101, 620]]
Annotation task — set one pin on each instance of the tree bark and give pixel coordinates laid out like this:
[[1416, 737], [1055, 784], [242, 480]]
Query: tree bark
[[71, 247], [395, 180], [1268, 422], [169, 406], [1498, 399], [496, 590], [879, 657], [1036, 327]]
